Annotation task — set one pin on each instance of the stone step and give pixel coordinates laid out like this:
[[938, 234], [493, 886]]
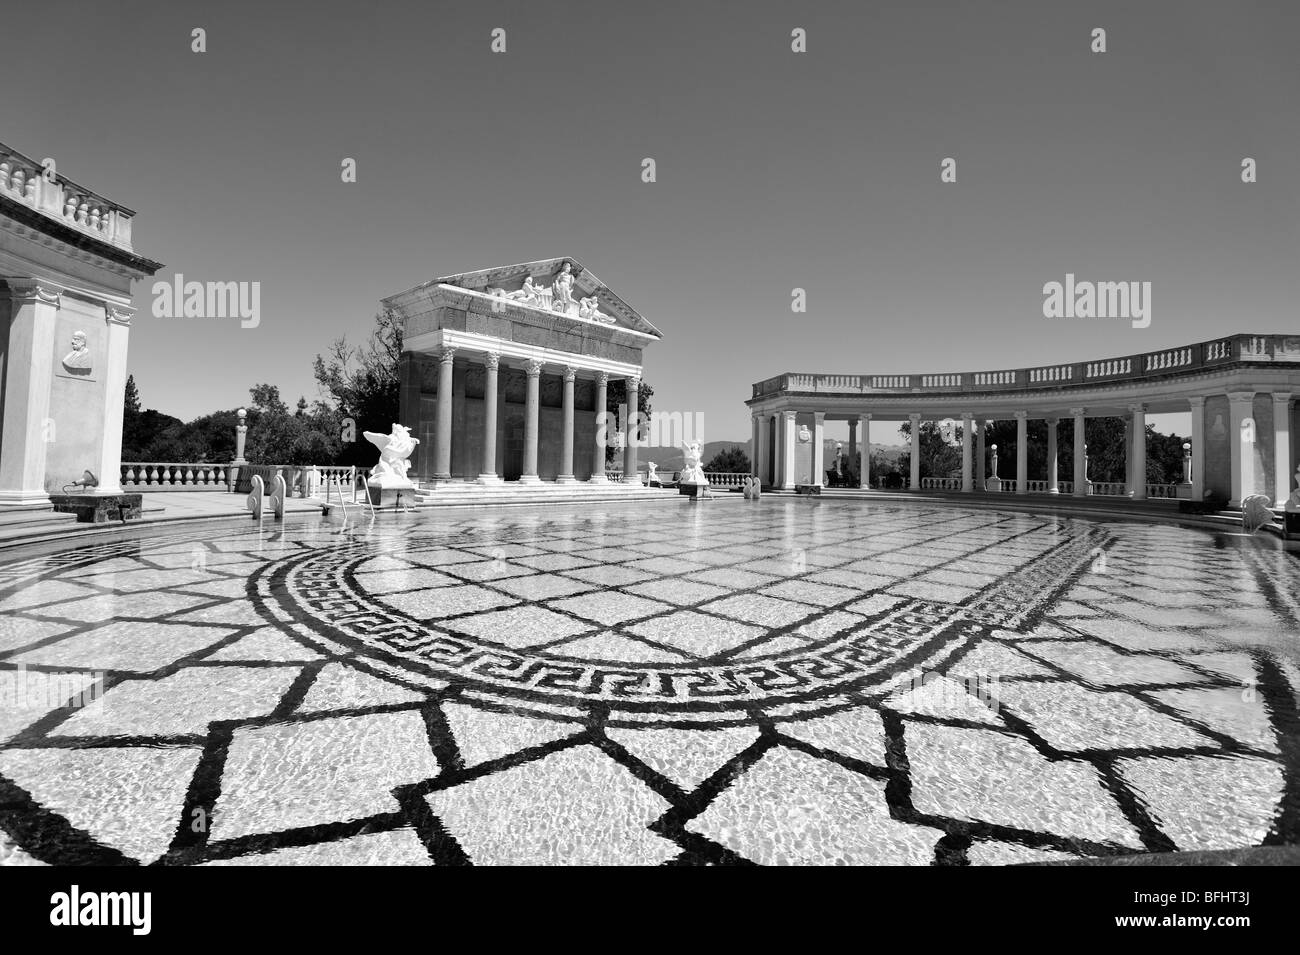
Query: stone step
[[453, 494]]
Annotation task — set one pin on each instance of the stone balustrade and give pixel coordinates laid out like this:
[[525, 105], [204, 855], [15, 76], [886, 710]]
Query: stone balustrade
[[23, 179], [174, 477], [726, 478], [1236, 349]]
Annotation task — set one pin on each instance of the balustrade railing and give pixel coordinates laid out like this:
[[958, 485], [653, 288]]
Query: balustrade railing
[[174, 477], [1235, 348], [23, 179], [1109, 488], [726, 478]]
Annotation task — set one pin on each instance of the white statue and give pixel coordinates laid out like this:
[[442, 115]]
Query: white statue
[[394, 449], [562, 290], [589, 308], [693, 472], [79, 358], [652, 474]]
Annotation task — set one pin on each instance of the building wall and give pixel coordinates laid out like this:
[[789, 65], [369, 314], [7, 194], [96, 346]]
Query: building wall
[[77, 400]]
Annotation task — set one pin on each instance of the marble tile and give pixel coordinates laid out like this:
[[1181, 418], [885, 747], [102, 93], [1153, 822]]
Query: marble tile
[[484, 735], [696, 633], [129, 799], [1206, 803], [684, 756], [127, 646], [183, 703], [793, 809], [610, 607], [575, 807], [992, 777], [519, 626], [399, 847], [293, 775]]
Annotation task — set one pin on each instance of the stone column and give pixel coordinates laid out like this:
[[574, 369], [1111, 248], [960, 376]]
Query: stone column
[[566, 447], [1281, 447], [1241, 443], [1139, 487], [1080, 452], [864, 473], [532, 406], [632, 431], [753, 444], [787, 449], [819, 449], [442, 436], [29, 369], [491, 367], [1053, 487], [109, 468], [1022, 452], [966, 463], [1198, 448], [602, 431], [853, 441], [916, 452], [981, 456]]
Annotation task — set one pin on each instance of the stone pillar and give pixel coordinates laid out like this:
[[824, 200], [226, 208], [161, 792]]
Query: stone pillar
[[1281, 447], [1080, 452], [753, 444], [819, 448], [1022, 452], [109, 468], [1139, 429], [1198, 448], [566, 443], [602, 431], [491, 367], [28, 371], [966, 462], [1241, 443], [1053, 487], [632, 431], [787, 449], [981, 458], [442, 436], [532, 408], [853, 442], [915, 476], [864, 473], [241, 436]]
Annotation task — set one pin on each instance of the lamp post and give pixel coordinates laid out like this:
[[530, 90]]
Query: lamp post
[[241, 434]]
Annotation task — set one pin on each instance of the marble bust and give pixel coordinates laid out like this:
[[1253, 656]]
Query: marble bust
[[79, 358]]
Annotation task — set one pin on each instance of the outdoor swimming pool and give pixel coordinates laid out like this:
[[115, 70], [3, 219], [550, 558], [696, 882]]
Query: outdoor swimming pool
[[786, 681]]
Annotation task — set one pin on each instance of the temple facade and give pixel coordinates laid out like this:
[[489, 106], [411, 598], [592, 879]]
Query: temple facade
[[505, 371], [66, 268], [1240, 391]]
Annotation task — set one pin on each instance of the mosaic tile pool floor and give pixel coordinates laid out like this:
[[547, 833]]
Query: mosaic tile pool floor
[[781, 682]]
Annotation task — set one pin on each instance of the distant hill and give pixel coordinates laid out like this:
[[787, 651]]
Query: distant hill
[[672, 459]]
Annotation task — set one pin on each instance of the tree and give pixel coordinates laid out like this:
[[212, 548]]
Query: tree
[[731, 460], [131, 404], [364, 385], [938, 457]]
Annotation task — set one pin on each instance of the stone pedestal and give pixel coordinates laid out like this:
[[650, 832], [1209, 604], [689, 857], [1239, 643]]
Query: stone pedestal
[[99, 508], [392, 496]]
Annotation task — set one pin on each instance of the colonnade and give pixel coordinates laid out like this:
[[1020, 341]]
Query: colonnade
[[489, 470], [1251, 451]]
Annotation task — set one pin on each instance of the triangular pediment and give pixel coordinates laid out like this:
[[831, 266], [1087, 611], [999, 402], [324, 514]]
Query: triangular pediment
[[545, 285]]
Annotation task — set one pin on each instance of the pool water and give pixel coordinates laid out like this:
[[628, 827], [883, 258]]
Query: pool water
[[781, 681]]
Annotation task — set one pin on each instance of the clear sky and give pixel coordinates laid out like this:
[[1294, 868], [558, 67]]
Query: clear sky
[[775, 170]]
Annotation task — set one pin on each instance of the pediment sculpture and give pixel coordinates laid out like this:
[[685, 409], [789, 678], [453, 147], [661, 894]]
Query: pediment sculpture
[[557, 298]]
